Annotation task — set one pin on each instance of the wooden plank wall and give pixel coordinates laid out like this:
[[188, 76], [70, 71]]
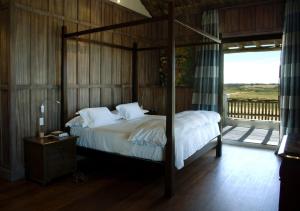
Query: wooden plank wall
[[250, 20], [97, 75], [152, 96], [4, 93]]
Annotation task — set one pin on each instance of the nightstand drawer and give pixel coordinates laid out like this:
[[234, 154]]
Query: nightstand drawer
[[60, 158], [60, 150]]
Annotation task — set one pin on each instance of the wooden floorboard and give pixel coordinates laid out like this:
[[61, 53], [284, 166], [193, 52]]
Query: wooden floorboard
[[242, 179]]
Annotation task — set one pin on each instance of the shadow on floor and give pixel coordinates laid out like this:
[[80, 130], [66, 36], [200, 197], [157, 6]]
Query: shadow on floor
[[251, 134]]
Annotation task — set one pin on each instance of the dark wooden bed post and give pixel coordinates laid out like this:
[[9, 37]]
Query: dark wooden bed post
[[220, 105], [64, 81], [170, 105], [135, 77]]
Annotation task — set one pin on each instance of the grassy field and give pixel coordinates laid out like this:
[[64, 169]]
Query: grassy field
[[252, 91]]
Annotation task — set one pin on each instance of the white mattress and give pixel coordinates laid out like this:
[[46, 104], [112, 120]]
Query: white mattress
[[114, 138]]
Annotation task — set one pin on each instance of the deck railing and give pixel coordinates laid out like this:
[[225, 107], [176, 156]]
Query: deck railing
[[255, 109]]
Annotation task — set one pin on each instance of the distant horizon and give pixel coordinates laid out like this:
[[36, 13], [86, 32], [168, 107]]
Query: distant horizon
[[252, 68]]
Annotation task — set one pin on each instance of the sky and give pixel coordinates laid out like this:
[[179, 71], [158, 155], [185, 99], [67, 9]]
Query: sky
[[257, 67]]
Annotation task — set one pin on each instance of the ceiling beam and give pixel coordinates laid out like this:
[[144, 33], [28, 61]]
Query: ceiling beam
[[198, 31], [116, 26]]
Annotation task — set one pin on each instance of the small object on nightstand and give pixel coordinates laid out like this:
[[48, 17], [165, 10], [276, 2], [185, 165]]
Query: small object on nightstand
[[41, 121], [48, 158], [58, 134]]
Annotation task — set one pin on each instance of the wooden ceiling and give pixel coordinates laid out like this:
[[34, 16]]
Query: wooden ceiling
[[159, 7]]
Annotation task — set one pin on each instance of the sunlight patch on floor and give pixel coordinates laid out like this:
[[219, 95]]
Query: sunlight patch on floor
[[251, 135]]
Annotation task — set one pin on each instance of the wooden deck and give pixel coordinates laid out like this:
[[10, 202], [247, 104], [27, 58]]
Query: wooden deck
[[253, 135]]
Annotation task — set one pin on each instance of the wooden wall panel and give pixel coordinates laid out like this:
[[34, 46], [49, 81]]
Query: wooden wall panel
[[83, 98], [126, 95], [4, 94], [53, 109], [106, 97], [71, 56], [37, 63], [247, 25], [4, 133], [231, 21], [3, 2], [117, 96], [126, 73], [54, 57], [38, 49], [22, 58], [95, 97], [72, 102], [83, 63], [25, 123], [96, 13], [154, 98], [39, 4], [250, 20], [84, 10], [83, 56], [116, 61], [4, 45], [56, 7], [83, 66], [70, 9]]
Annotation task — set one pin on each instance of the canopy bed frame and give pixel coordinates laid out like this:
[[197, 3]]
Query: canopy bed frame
[[170, 98]]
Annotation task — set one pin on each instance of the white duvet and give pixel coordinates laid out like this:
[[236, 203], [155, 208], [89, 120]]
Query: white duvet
[[153, 132], [198, 129]]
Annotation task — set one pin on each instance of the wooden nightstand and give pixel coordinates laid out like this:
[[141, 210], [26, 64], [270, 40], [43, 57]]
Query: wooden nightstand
[[48, 158]]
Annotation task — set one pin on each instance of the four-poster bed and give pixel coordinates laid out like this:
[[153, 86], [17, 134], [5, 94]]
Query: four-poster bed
[[169, 155]]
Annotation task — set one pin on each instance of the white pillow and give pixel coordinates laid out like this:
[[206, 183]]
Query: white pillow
[[96, 117], [76, 122], [130, 111], [115, 112]]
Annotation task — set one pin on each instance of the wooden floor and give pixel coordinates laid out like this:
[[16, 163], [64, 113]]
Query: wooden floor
[[243, 179]]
